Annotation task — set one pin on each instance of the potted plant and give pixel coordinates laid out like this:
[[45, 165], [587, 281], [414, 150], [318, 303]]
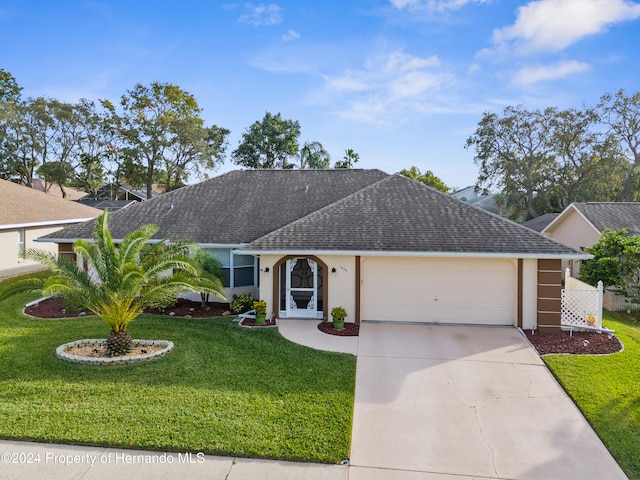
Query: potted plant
[[260, 306], [338, 314]]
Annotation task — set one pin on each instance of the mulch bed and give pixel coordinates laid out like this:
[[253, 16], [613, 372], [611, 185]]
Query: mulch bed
[[248, 322], [579, 343], [349, 330], [54, 308]]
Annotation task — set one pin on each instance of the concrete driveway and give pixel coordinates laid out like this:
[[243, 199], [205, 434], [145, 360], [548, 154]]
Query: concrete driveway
[[453, 402]]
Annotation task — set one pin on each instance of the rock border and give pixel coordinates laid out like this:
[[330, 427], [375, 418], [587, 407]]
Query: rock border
[[60, 352]]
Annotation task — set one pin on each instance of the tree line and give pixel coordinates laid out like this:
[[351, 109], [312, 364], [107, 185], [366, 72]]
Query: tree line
[[154, 134], [543, 160]]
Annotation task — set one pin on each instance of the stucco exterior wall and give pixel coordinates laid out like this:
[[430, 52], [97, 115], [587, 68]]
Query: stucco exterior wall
[[529, 293], [341, 284], [10, 261], [573, 229]]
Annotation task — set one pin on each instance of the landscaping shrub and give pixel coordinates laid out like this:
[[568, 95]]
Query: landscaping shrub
[[241, 303]]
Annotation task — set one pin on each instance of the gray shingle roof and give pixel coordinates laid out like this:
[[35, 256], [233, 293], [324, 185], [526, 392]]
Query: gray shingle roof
[[540, 223], [613, 215], [397, 214], [236, 207]]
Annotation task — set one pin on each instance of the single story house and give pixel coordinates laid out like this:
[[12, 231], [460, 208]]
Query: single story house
[[581, 224], [384, 247], [26, 214]]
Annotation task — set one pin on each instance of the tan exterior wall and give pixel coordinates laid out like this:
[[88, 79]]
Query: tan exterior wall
[[529, 293], [10, 261], [341, 284], [574, 230]]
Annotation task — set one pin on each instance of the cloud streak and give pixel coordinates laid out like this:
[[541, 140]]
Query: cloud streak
[[434, 5], [538, 73], [262, 15], [386, 88]]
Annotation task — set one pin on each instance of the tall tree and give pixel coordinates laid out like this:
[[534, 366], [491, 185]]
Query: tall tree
[[197, 149], [58, 173], [590, 164], [9, 88], [313, 155], [621, 112], [149, 124], [349, 160], [28, 132], [513, 153], [268, 143], [428, 178]]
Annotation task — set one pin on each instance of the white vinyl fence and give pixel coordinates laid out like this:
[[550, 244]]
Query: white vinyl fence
[[581, 306]]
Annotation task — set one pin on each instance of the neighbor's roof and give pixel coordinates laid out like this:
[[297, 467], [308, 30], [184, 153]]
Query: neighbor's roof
[[22, 206], [540, 223], [236, 207], [398, 214], [70, 192], [613, 215]]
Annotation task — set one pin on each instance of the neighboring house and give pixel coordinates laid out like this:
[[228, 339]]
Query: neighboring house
[[486, 202], [26, 214], [383, 246], [113, 191], [581, 224], [112, 205], [540, 223], [69, 192]]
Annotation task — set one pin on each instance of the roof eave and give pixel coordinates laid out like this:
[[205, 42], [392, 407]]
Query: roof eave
[[48, 223], [380, 253]]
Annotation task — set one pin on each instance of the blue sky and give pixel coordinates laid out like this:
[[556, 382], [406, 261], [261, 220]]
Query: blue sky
[[402, 82]]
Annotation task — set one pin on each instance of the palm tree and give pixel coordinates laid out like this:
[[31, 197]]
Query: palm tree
[[123, 280], [350, 158], [313, 155]]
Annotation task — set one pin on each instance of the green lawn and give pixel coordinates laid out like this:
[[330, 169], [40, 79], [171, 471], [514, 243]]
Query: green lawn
[[607, 390], [224, 390]]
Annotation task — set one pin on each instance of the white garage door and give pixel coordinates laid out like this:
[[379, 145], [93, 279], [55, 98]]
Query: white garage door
[[439, 290]]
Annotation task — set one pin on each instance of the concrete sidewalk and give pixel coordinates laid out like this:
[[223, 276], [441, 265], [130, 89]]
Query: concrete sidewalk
[[27, 461]]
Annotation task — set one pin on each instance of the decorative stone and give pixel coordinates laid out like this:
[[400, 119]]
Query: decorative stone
[[62, 354], [172, 313]]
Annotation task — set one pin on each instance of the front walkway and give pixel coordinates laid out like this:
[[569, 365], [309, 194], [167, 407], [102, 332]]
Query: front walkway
[[305, 332]]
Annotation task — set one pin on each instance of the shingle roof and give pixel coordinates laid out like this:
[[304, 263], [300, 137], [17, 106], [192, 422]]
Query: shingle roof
[[540, 223], [398, 214], [613, 215], [236, 207], [20, 205]]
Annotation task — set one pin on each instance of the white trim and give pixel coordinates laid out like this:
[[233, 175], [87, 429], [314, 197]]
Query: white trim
[[376, 253], [14, 226]]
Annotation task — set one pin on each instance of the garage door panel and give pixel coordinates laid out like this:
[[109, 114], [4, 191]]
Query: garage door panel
[[466, 291]]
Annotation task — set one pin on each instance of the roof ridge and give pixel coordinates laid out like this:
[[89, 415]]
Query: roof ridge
[[330, 205]]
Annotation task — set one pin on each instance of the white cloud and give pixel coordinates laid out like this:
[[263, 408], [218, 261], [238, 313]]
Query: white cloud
[[262, 14], [388, 87], [552, 25], [538, 73], [434, 5], [290, 35]]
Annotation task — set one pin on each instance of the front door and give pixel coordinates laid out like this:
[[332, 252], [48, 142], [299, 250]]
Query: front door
[[301, 288]]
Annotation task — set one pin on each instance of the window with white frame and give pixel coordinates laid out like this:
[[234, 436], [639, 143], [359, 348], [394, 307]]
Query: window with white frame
[[237, 270]]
